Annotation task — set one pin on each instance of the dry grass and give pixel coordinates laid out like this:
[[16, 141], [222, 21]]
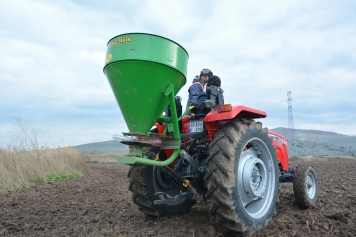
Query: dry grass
[[18, 166], [100, 158], [322, 158]]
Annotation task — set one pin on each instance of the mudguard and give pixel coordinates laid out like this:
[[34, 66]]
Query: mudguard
[[214, 120]]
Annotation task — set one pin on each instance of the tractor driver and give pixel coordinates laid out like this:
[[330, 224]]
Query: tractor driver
[[199, 105], [197, 87]]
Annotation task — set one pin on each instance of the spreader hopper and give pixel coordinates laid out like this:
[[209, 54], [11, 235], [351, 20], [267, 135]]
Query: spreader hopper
[[143, 69]]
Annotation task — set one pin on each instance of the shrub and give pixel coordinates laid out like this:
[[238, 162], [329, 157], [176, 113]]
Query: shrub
[[19, 167], [25, 159]]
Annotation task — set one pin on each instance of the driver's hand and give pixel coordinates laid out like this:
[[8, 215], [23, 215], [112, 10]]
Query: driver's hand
[[194, 109]]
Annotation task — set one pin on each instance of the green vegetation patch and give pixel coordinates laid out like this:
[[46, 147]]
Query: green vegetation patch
[[54, 177], [49, 177]]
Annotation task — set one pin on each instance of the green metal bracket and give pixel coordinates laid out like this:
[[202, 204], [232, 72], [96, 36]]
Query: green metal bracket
[[165, 120], [135, 150], [169, 89], [170, 127], [146, 161], [173, 107]]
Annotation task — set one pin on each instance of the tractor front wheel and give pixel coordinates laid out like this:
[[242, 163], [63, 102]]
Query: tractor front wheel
[[243, 176], [305, 186]]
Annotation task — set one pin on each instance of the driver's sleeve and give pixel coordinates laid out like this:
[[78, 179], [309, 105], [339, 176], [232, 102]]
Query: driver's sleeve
[[194, 92]]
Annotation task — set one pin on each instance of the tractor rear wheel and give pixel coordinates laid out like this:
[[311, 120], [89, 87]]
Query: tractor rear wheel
[[305, 186], [145, 181], [243, 176]]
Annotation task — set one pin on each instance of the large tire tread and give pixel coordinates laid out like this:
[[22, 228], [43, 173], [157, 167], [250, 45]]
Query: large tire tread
[[143, 196], [220, 178], [299, 186], [137, 188]]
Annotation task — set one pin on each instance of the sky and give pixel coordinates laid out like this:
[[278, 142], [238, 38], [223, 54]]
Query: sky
[[53, 53]]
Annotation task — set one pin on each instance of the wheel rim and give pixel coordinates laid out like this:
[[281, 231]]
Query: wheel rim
[[310, 185], [256, 178]]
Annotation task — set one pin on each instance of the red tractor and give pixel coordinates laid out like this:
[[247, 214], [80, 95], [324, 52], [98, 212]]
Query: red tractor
[[224, 156]]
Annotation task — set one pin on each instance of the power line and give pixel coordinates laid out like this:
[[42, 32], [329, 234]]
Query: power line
[[291, 149]]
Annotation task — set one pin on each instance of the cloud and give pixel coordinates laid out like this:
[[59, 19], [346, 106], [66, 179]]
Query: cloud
[[52, 56]]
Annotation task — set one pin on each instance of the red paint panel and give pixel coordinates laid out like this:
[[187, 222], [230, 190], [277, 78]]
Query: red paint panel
[[215, 120], [281, 145], [237, 111], [160, 128]]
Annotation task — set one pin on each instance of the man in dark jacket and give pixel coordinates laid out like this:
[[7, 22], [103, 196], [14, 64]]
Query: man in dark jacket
[[198, 87], [199, 105]]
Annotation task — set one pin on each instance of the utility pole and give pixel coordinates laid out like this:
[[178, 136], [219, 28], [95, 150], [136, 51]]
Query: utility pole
[[291, 149]]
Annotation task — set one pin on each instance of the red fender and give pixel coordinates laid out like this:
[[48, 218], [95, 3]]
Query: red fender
[[280, 143], [214, 120]]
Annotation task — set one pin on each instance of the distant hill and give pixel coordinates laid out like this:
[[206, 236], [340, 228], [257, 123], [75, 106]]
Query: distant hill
[[316, 142], [106, 147], [306, 143], [310, 135]]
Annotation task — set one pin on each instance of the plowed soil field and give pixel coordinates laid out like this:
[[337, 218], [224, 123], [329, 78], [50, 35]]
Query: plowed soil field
[[99, 204]]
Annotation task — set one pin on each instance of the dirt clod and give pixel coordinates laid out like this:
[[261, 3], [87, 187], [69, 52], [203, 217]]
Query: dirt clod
[[340, 217]]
